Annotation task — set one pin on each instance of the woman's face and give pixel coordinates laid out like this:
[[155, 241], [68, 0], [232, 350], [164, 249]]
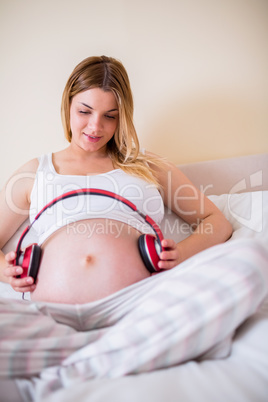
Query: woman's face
[[94, 118]]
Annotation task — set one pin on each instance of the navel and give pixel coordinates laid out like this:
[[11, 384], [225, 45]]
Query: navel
[[87, 260]]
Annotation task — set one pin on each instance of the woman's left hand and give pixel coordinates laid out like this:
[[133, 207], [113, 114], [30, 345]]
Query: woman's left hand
[[170, 256]]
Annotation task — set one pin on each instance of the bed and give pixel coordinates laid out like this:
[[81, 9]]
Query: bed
[[239, 187]]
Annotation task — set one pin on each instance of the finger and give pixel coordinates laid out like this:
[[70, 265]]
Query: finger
[[167, 264], [169, 255], [20, 283], [168, 243], [10, 257], [13, 271], [25, 289]]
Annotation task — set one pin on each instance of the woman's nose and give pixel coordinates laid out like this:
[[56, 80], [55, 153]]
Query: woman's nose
[[95, 123]]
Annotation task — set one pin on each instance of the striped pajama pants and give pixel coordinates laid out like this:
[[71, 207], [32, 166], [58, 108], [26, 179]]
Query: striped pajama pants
[[166, 319]]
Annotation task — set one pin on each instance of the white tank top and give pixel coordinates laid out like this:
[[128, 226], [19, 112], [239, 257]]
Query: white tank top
[[49, 185]]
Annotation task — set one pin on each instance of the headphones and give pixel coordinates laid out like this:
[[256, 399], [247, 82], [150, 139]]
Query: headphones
[[149, 245]]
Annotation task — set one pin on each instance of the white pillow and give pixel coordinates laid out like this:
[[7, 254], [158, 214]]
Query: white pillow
[[247, 212]]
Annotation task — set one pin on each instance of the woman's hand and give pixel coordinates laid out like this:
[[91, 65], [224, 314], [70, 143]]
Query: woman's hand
[[12, 271], [170, 256]]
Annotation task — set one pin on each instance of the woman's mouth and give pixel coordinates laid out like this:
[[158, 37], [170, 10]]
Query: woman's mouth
[[92, 138]]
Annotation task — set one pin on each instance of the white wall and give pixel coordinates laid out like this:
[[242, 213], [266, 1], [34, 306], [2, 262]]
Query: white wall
[[198, 70]]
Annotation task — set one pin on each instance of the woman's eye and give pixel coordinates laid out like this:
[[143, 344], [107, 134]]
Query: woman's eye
[[83, 112], [110, 117]]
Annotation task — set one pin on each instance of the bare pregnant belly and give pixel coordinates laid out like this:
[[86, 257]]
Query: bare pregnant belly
[[88, 261]]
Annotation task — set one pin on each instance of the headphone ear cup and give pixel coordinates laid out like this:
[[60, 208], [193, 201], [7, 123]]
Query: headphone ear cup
[[29, 260], [148, 246]]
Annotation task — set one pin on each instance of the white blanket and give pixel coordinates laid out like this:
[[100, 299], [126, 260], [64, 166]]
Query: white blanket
[[186, 313]]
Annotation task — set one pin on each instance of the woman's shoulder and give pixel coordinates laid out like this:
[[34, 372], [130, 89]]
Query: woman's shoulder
[[165, 170], [27, 169], [30, 166], [156, 162], [23, 176], [164, 162], [20, 183]]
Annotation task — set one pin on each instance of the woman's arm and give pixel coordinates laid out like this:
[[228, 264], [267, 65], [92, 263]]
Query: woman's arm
[[14, 210], [209, 226]]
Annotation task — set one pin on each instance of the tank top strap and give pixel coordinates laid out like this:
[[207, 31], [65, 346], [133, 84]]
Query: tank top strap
[[43, 185], [45, 163]]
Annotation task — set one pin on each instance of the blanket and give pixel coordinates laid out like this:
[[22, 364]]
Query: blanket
[[189, 312]]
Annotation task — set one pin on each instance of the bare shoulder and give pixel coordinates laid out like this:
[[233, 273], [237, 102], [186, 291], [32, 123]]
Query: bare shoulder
[[171, 179], [28, 169], [21, 181], [163, 161], [31, 166], [162, 167], [15, 199]]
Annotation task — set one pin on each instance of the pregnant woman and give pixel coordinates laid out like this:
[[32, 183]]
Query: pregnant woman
[[97, 310], [90, 243]]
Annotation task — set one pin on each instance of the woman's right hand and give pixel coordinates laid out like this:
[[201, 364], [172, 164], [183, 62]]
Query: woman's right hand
[[12, 271]]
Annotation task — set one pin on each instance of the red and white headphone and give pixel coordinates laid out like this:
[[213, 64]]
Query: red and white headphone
[[149, 245]]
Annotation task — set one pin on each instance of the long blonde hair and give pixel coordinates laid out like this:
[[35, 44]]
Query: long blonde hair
[[109, 74]]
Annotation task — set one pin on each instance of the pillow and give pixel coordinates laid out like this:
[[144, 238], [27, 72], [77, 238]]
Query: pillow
[[247, 212]]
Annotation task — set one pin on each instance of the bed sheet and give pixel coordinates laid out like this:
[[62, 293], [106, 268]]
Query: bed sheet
[[242, 377]]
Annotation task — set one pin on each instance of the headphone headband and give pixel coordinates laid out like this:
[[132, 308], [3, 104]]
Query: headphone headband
[[93, 191]]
